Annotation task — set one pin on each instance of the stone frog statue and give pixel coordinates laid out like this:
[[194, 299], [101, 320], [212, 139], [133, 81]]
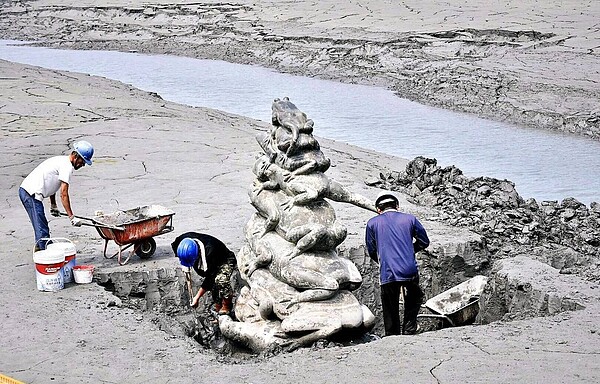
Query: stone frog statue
[[304, 188], [288, 125], [317, 274], [308, 160], [309, 226], [299, 289], [259, 331]]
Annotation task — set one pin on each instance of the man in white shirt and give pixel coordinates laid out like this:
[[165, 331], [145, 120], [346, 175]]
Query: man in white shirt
[[51, 176]]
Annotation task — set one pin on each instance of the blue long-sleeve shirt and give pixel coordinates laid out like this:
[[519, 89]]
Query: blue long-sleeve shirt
[[389, 239]]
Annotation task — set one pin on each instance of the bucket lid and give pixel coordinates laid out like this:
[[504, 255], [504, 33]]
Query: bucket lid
[[49, 256], [67, 248]]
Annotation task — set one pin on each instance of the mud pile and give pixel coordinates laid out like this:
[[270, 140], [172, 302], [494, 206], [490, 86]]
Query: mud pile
[[565, 235]]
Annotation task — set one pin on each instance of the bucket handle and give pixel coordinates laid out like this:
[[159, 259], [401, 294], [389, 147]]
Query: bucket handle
[[48, 239]]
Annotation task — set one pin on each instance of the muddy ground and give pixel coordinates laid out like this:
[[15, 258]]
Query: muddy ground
[[197, 162]]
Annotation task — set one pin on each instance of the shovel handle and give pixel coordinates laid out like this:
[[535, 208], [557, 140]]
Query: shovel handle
[[188, 280]]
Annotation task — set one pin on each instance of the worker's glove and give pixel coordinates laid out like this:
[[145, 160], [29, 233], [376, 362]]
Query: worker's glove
[[76, 222], [54, 211]]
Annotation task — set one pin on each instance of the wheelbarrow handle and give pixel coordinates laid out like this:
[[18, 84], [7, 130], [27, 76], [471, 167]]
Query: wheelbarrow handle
[[93, 224], [77, 216]]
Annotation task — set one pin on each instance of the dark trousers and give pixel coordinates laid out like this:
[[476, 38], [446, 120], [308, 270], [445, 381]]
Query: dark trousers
[[390, 297]]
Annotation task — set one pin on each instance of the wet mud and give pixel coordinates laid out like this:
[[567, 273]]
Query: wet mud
[[540, 306]]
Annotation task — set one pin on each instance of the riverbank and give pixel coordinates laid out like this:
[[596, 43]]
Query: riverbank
[[519, 62], [147, 152]]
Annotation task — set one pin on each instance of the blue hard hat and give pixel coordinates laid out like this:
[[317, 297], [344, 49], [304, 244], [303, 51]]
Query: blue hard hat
[[85, 150], [187, 252]]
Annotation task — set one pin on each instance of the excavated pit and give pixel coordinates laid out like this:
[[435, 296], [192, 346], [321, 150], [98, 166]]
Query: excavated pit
[[518, 288], [162, 293], [539, 259]]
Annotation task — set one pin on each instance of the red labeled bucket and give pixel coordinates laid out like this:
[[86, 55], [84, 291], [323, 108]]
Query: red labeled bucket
[[67, 247], [48, 269], [83, 274]]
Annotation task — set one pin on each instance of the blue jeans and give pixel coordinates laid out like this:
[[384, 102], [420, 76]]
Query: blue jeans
[[37, 216]]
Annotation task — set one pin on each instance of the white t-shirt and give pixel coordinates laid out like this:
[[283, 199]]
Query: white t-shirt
[[45, 179]]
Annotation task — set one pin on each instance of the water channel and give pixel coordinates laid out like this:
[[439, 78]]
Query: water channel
[[543, 165]]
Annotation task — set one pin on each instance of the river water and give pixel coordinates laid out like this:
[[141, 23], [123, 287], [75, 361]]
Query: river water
[[543, 165]]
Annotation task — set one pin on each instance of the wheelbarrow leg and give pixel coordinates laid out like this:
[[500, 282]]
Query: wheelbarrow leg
[[119, 258], [119, 252], [105, 246], [121, 249]]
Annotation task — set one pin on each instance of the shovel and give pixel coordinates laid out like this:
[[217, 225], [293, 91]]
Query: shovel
[[188, 281]]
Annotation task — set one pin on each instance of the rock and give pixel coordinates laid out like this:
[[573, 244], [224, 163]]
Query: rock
[[495, 210], [523, 288]]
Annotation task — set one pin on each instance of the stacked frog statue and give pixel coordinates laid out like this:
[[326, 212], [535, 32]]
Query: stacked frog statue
[[298, 288]]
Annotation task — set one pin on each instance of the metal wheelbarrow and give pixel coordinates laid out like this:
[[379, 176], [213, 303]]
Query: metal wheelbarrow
[[458, 305], [135, 227]]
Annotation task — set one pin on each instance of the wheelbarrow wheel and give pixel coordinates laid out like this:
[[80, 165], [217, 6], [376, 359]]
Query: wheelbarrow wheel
[[145, 248]]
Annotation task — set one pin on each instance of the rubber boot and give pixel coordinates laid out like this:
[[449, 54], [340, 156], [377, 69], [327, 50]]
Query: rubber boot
[[225, 306]]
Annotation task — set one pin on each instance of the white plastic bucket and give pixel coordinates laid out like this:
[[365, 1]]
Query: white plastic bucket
[[48, 269], [83, 274], [67, 247]]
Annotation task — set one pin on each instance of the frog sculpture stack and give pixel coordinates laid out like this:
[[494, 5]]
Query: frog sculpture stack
[[298, 289]]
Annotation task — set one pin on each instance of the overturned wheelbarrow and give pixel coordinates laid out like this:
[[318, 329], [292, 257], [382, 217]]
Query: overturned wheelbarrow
[[458, 305]]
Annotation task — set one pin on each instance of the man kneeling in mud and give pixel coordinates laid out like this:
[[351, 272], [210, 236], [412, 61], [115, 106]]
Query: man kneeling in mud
[[211, 259]]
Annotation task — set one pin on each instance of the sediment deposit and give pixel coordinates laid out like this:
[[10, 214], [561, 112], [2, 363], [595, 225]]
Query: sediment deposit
[[522, 62]]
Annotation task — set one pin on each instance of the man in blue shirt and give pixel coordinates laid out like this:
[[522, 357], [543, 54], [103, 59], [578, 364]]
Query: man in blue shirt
[[389, 238]]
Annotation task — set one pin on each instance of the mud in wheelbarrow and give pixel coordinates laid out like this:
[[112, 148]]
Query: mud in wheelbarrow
[[458, 305], [134, 227]]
